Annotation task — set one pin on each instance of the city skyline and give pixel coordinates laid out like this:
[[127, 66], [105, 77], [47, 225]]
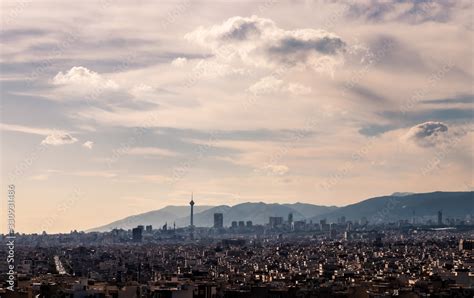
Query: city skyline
[[116, 108]]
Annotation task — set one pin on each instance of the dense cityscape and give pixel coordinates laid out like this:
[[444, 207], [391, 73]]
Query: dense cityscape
[[283, 258]]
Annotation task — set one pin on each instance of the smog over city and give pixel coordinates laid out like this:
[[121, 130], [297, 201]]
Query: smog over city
[[227, 149]]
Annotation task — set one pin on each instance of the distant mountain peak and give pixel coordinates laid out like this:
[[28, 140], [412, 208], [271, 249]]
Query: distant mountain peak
[[402, 194]]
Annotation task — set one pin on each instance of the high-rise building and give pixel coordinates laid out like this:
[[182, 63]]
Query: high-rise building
[[234, 224], [275, 221], [137, 234], [323, 225], [440, 218], [149, 228], [218, 220], [241, 223], [290, 218], [249, 224], [192, 211]]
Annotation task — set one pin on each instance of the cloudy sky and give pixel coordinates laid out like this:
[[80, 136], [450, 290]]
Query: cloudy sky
[[111, 108]]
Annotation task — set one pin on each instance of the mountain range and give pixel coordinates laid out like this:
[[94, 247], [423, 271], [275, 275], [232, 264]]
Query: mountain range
[[379, 209]]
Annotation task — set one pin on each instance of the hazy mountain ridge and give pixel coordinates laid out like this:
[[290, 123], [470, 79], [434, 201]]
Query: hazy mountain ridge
[[396, 207], [379, 209], [310, 210], [181, 211]]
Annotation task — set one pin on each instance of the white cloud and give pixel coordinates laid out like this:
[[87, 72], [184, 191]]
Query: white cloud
[[179, 62], [81, 76], [271, 84], [259, 42], [88, 144], [213, 68], [80, 83], [266, 85], [59, 138]]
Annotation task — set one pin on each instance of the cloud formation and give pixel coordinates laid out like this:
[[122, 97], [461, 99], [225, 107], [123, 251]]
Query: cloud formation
[[88, 144], [427, 134], [270, 84], [59, 138], [266, 85], [179, 62], [81, 76], [81, 83], [260, 42]]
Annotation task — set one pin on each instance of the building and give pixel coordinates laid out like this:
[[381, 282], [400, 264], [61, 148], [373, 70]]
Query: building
[[290, 218], [149, 228], [218, 220], [192, 211], [323, 225], [299, 225], [241, 224], [440, 218], [249, 224], [275, 221], [137, 234], [234, 224], [466, 244]]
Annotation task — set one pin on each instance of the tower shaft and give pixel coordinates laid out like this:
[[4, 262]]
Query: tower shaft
[[192, 211]]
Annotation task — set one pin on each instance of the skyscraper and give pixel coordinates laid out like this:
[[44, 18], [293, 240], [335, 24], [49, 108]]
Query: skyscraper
[[192, 210], [275, 221], [218, 220], [440, 218], [137, 234]]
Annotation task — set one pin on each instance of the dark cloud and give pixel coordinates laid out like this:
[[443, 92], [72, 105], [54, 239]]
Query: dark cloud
[[291, 45], [17, 34], [259, 41], [402, 120], [409, 11], [454, 100], [427, 134], [243, 32], [428, 115]]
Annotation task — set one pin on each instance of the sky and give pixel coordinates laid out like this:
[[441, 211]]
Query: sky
[[112, 108]]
